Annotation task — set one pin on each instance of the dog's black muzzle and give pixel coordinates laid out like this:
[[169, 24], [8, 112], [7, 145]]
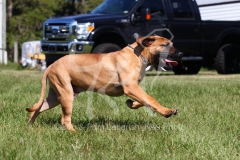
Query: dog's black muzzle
[[169, 61], [175, 56]]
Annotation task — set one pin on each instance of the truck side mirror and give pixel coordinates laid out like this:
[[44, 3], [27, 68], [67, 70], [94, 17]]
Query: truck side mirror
[[142, 14], [145, 14], [133, 18]]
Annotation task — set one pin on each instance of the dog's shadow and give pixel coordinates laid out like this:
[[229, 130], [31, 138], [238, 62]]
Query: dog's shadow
[[103, 123], [106, 123]]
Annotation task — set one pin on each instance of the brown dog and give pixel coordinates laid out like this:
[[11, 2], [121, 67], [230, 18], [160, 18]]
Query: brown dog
[[113, 74]]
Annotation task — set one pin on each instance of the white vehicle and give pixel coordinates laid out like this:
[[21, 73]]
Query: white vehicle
[[31, 55], [219, 10]]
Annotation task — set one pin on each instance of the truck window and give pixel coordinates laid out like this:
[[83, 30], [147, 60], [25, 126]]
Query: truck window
[[181, 9], [156, 8], [114, 7]]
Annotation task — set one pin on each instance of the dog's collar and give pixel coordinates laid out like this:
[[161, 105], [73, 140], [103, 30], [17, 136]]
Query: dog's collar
[[138, 53]]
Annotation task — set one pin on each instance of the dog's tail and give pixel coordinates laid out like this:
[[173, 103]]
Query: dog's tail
[[44, 84]]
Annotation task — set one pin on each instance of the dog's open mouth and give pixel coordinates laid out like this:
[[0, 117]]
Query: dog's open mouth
[[168, 64]]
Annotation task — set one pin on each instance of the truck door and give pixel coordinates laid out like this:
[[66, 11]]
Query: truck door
[[158, 19], [185, 25]]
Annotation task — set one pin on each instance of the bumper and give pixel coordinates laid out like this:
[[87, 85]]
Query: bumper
[[66, 48], [192, 58]]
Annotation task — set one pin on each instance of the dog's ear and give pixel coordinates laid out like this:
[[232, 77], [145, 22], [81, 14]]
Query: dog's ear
[[145, 41]]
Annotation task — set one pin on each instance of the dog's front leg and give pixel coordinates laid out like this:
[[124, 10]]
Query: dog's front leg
[[136, 93]]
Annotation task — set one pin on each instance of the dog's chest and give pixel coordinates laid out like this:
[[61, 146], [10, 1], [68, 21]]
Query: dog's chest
[[142, 72], [114, 89]]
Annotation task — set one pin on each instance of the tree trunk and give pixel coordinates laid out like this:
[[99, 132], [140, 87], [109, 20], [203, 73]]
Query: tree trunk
[[9, 9]]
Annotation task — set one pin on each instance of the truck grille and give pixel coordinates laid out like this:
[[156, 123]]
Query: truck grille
[[58, 32]]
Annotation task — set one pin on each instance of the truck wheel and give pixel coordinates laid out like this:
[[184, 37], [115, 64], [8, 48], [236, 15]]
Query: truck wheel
[[192, 67], [106, 48], [228, 59]]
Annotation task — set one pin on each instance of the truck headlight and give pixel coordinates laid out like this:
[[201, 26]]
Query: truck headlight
[[83, 30]]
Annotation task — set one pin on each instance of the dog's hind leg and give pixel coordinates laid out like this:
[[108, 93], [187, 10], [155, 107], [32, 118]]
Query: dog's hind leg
[[133, 104], [66, 97], [50, 102]]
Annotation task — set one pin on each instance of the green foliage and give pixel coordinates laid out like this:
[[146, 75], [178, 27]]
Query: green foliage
[[10, 66], [207, 126], [27, 16], [91, 4]]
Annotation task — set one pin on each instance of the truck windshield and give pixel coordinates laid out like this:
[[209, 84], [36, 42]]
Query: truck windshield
[[114, 7]]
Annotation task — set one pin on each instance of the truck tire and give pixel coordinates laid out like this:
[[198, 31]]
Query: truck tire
[[187, 67], [228, 59], [106, 48]]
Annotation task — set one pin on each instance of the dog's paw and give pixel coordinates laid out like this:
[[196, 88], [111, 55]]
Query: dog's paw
[[69, 127], [129, 103], [175, 112]]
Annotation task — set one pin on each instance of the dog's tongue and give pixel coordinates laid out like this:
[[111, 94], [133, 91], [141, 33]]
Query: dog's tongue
[[173, 63]]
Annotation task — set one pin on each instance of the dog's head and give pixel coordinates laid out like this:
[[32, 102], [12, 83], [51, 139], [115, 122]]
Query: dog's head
[[159, 51]]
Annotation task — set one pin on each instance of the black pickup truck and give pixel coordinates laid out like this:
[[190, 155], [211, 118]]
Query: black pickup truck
[[111, 25]]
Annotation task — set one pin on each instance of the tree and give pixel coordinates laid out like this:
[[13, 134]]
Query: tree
[[87, 5], [25, 17]]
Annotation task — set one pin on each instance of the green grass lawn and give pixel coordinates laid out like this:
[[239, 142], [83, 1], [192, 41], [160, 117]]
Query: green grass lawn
[[207, 127]]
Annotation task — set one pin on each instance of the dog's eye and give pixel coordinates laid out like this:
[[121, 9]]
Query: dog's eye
[[165, 44]]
